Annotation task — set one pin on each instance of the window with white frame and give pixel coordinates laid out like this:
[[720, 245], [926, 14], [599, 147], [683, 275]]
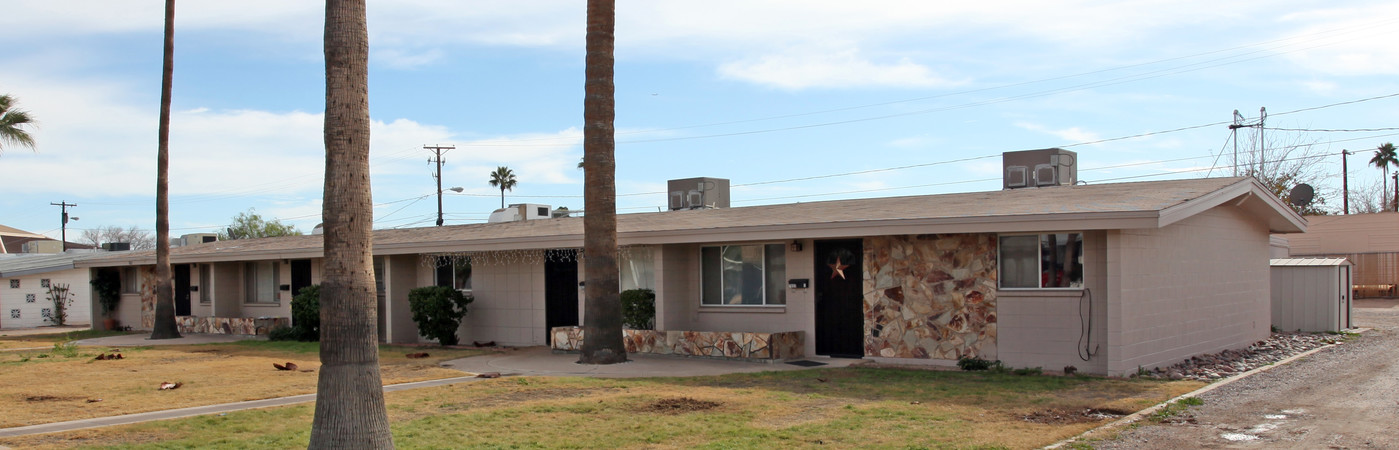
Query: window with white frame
[[261, 280], [130, 280], [747, 275], [1048, 260], [206, 282]]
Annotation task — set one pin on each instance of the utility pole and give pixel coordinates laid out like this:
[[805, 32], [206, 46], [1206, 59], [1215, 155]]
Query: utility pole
[[437, 151], [64, 205], [1345, 183], [1258, 146], [1396, 190]]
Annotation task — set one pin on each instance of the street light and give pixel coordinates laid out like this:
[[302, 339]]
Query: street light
[[457, 189]]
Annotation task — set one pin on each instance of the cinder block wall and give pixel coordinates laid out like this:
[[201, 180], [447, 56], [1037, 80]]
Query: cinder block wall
[[1193, 287], [1045, 328]]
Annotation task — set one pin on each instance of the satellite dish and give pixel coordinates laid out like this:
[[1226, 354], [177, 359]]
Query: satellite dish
[[1302, 195]]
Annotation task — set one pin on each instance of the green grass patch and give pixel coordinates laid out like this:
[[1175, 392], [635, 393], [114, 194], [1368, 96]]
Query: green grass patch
[[1175, 408]]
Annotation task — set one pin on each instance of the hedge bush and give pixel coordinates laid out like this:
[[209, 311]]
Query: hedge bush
[[306, 314], [639, 309], [438, 311]]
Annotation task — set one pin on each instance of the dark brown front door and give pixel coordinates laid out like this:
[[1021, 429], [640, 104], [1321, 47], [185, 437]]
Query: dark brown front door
[[300, 275], [840, 323], [560, 291], [181, 289]]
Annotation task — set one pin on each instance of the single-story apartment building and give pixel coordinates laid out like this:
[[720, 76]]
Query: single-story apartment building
[[26, 280], [1104, 277]]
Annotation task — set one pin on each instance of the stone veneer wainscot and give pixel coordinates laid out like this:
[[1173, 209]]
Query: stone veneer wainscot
[[930, 296]]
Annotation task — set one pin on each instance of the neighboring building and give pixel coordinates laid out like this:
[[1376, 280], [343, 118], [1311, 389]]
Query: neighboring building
[[25, 280], [1369, 241], [1106, 277], [14, 240]]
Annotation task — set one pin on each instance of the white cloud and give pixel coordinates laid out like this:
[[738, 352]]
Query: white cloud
[[831, 70]]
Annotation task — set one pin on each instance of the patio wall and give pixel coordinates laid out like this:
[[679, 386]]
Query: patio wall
[[712, 344], [229, 325]]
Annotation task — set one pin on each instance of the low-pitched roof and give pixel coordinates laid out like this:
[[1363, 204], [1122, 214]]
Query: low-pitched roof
[[23, 264], [1151, 204]]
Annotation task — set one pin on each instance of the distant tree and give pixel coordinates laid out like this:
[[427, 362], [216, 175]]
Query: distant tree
[[138, 238], [1367, 199], [1282, 164], [249, 225], [12, 123], [504, 179], [1384, 157]]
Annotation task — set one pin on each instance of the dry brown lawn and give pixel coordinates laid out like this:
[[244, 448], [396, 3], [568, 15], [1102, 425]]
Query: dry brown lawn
[[50, 386], [842, 408]]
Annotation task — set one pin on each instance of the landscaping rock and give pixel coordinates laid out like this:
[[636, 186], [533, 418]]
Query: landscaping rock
[[1233, 362]]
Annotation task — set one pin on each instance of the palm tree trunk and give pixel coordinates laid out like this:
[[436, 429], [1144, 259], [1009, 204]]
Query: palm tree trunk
[[350, 411], [602, 312], [164, 326]]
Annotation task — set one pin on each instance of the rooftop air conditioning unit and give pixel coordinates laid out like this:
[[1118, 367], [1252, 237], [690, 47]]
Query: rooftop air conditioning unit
[[1040, 168], [698, 193], [116, 246]]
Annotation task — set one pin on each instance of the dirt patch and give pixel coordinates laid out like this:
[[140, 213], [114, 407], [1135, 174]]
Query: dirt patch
[[1067, 416], [50, 398], [679, 405]]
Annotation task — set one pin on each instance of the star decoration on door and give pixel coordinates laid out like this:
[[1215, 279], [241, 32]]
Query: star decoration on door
[[838, 269]]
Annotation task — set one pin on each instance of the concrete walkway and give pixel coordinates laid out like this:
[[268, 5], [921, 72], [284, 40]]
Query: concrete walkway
[[532, 361]]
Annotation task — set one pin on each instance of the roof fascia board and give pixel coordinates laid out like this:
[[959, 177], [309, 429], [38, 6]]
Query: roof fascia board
[[34, 271], [1252, 193], [1015, 224]]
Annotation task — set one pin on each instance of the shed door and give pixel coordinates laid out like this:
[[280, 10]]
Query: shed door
[[840, 301], [1345, 304]]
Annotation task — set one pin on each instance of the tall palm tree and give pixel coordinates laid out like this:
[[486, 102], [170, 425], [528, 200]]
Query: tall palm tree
[[602, 320], [1385, 156], [164, 326], [350, 411], [504, 179], [12, 123]]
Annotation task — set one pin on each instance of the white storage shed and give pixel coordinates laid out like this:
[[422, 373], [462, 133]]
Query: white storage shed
[[1311, 294]]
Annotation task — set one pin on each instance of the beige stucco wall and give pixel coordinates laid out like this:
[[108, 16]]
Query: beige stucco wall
[[509, 305], [678, 302], [1193, 287], [1045, 327], [80, 311]]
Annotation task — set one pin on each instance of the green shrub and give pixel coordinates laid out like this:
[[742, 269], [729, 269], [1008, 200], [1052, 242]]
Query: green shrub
[[639, 309], [438, 311], [284, 333], [305, 315], [976, 363]]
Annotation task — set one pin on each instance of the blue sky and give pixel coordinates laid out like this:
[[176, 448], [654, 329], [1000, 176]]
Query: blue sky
[[753, 91]]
